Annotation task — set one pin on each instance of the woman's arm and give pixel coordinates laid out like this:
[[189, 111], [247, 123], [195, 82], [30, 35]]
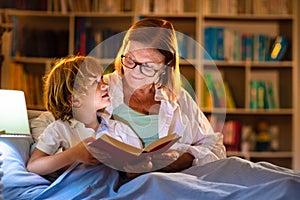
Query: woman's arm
[[179, 163], [198, 136], [42, 163]]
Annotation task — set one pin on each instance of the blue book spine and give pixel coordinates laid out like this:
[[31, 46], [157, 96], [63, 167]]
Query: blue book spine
[[219, 43], [208, 43]]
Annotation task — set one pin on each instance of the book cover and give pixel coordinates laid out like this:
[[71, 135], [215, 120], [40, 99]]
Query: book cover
[[121, 152], [279, 48], [231, 135], [215, 89], [264, 89], [230, 102]]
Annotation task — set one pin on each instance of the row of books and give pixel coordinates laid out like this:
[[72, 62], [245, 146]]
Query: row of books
[[25, 4], [280, 7], [264, 90], [222, 43], [243, 137], [32, 42], [232, 135], [231, 130], [65, 6], [26, 81], [186, 45], [165, 6], [232, 7], [217, 93], [88, 39]]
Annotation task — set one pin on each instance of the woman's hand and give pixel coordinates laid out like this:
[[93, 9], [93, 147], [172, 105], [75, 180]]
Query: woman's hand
[[171, 161], [136, 169], [164, 159]]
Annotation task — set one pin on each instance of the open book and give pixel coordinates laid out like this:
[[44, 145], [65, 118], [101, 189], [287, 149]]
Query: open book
[[121, 152]]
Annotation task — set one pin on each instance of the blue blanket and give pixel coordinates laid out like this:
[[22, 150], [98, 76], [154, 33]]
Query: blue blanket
[[231, 178]]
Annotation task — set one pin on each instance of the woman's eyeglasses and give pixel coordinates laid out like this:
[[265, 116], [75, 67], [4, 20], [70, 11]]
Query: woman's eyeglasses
[[146, 69]]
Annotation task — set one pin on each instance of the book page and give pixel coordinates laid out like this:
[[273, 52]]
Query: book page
[[121, 145], [121, 152], [167, 141]]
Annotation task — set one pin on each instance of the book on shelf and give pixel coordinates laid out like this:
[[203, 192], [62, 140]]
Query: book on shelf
[[65, 6], [279, 48], [233, 7], [97, 42], [186, 45], [210, 98], [264, 90], [230, 101], [217, 92], [226, 7], [271, 7], [162, 6], [225, 43], [40, 5], [231, 135], [121, 152], [30, 42], [27, 82], [214, 43]]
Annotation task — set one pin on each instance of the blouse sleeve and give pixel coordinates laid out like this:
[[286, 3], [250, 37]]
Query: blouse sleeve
[[39, 124], [198, 136]]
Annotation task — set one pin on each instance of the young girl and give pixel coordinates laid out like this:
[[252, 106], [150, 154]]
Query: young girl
[[73, 93]]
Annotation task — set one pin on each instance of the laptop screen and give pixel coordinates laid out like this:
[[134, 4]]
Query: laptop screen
[[13, 113]]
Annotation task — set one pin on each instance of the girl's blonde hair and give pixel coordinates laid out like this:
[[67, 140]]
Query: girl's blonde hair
[[158, 34], [70, 75]]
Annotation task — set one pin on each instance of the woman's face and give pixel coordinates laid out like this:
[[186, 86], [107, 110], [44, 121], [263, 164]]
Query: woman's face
[[150, 58]]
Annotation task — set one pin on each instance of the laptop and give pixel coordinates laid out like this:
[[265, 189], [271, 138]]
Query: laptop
[[13, 114]]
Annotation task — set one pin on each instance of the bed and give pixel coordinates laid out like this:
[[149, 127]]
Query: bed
[[230, 178]]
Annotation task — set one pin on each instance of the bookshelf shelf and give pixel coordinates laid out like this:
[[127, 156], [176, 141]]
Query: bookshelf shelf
[[102, 14], [287, 64], [247, 17], [191, 17], [181, 15], [283, 154], [245, 111], [33, 13], [32, 60]]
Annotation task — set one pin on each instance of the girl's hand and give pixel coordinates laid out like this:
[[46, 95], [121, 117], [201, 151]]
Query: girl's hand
[[82, 154]]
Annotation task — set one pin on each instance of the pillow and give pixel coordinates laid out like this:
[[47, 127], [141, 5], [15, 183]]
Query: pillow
[[17, 181], [38, 124], [1, 174]]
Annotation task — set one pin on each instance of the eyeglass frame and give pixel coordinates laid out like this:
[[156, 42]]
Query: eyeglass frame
[[138, 64]]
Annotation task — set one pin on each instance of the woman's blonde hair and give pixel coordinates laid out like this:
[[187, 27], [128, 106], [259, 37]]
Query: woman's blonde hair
[[70, 75], [158, 34]]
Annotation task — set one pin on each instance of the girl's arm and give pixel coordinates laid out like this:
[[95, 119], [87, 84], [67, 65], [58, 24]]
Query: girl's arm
[[42, 163]]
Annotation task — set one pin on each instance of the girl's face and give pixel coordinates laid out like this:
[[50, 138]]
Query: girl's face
[[97, 96], [142, 57]]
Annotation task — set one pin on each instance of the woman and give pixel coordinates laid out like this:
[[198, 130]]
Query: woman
[[146, 94]]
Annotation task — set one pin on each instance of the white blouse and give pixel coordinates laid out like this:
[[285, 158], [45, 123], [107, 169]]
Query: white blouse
[[182, 117]]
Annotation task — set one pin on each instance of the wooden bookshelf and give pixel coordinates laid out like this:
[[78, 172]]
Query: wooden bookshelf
[[189, 17], [239, 72]]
